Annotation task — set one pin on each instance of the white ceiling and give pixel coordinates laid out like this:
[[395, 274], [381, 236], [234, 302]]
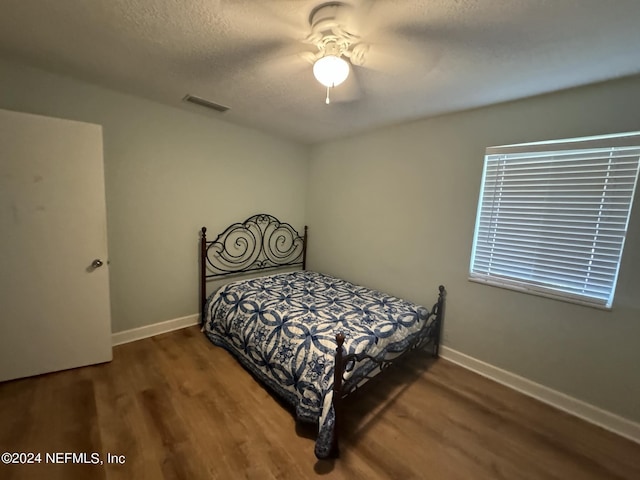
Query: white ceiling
[[428, 56]]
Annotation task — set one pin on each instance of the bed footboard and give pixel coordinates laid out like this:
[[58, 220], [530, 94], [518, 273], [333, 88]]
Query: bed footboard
[[429, 335]]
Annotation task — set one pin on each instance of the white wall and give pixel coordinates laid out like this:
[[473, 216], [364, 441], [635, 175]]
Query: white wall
[[168, 172], [395, 209]]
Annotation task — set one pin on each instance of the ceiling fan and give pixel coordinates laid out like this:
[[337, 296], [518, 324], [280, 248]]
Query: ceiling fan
[[334, 41], [353, 47], [336, 30]]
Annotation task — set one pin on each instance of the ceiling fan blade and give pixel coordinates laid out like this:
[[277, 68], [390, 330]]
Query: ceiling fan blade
[[365, 18], [268, 18], [288, 61], [349, 91], [228, 63], [456, 36], [399, 57]]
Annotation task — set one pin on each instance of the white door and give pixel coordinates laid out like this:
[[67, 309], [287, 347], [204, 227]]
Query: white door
[[54, 306]]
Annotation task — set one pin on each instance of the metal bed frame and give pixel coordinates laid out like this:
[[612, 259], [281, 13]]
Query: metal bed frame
[[262, 243]]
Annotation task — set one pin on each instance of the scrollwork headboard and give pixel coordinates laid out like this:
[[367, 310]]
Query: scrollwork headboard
[[261, 242]]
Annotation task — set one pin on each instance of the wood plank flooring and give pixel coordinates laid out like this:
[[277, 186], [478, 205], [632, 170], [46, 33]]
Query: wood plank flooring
[[178, 407]]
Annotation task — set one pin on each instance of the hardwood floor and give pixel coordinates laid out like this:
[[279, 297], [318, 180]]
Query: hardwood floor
[[178, 407]]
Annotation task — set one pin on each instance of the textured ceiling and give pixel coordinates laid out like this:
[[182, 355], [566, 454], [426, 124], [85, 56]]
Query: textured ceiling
[[426, 57]]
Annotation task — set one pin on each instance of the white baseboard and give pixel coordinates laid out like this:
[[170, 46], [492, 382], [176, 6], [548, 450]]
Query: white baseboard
[[156, 329], [607, 420]]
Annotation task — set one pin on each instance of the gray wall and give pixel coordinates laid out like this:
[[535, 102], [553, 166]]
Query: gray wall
[[168, 172], [395, 209]]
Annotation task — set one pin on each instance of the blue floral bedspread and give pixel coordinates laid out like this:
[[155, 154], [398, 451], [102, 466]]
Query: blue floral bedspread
[[282, 328]]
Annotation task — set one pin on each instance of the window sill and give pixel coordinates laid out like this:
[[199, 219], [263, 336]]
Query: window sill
[[538, 293]]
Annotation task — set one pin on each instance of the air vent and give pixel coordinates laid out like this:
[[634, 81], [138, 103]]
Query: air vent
[[205, 103]]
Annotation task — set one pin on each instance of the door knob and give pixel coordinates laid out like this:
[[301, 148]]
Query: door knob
[[96, 263]]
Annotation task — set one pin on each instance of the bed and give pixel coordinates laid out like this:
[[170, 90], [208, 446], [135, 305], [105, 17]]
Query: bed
[[311, 338]]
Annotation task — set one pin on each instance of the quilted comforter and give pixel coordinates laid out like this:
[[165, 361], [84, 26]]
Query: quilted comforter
[[282, 328]]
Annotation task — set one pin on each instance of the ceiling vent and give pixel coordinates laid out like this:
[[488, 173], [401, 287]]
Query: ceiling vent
[[205, 103]]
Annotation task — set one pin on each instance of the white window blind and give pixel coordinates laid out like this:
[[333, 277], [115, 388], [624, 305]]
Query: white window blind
[[552, 216]]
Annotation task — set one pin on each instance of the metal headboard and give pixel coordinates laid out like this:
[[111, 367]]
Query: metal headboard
[[261, 242]]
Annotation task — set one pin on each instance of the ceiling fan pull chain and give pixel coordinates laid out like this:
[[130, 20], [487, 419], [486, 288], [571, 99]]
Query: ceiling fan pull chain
[[327, 100]]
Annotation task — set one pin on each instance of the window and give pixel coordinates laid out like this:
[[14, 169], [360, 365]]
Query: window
[[552, 216]]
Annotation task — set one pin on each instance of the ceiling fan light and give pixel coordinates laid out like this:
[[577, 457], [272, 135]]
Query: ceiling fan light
[[331, 70]]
